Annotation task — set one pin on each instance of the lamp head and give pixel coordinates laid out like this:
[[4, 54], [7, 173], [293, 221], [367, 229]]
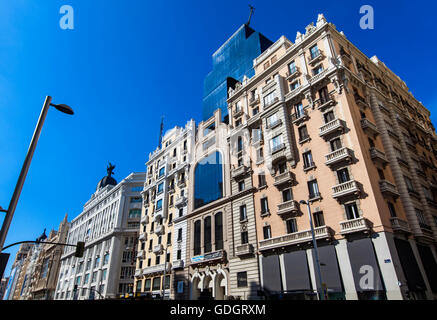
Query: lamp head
[[63, 108]]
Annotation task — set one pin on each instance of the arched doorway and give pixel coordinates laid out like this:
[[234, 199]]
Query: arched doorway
[[221, 286], [196, 288]]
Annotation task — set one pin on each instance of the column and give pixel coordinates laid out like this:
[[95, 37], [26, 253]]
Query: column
[[346, 270]]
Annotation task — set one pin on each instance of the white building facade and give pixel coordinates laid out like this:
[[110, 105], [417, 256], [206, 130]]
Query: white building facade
[[109, 226]]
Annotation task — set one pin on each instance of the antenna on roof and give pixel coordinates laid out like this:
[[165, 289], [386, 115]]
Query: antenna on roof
[[252, 9], [160, 132]]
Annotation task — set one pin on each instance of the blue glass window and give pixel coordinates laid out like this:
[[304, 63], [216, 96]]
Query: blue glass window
[[160, 187], [208, 180], [314, 52], [161, 171], [159, 204]]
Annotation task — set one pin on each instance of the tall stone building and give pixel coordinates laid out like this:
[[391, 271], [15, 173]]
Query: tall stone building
[[109, 226], [17, 279], [162, 240], [46, 271], [327, 125]]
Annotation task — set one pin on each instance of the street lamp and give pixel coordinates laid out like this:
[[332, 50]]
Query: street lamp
[[316, 251], [19, 186]]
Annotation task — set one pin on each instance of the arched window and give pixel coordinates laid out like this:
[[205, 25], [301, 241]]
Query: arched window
[[208, 180], [207, 234]]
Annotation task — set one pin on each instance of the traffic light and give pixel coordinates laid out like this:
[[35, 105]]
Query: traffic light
[[80, 248]]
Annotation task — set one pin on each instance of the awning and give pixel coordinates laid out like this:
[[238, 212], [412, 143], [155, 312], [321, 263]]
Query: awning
[[364, 265], [271, 273], [296, 271], [430, 265], [328, 268], [409, 265]]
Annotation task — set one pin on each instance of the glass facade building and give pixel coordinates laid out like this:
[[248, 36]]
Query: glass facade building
[[208, 180], [231, 62]]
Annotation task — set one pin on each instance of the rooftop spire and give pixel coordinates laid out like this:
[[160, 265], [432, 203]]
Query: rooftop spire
[[160, 131], [252, 9]]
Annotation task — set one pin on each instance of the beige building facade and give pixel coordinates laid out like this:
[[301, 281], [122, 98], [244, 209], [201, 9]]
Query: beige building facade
[[327, 125]]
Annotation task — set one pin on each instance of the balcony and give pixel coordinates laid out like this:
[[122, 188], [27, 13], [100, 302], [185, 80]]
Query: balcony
[[158, 216], [178, 264], [238, 112], [378, 156], [145, 219], [295, 238], [399, 225], [181, 183], [142, 237], [318, 56], [289, 207], [338, 156], [273, 125], [239, 172], [292, 74], [345, 189], [388, 189], [283, 178], [158, 248], [323, 104], [369, 127], [244, 250], [138, 273], [269, 103], [180, 201], [156, 269], [354, 225], [332, 127], [141, 254], [254, 100], [278, 153], [360, 101], [159, 229], [299, 117]]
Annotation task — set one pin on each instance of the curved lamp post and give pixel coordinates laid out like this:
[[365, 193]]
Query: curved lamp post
[[19, 186]]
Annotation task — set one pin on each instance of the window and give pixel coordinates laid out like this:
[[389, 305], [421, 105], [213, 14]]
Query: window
[[161, 187], [157, 260], [303, 133], [409, 184], [291, 225], [242, 279], [207, 235], [243, 213], [313, 189], [169, 238], [329, 116], [276, 143], [208, 176], [371, 143], [135, 199], [324, 95], [179, 254], [308, 160], [259, 155], [267, 232], [244, 237], [139, 286], [239, 144], [104, 274], [343, 175], [209, 129], [180, 234], [150, 244], [299, 110], [422, 221], [392, 209], [161, 172], [181, 212], [170, 218], [286, 195], [319, 221], [241, 185], [352, 211], [86, 279], [292, 67], [272, 120], [197, 239], [238, 122], [269, 99], [317, 70], [314, 52], [147, 284], [159, 204], [262, 180], [218, 222], [264, 206], [294, 85], [156, 283], [335, 144], [134, 213], [94, 278], [266, 65], [106, 259], [381, 174]]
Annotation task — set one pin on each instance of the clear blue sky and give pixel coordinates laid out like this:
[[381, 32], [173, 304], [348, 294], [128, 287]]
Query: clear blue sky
[[126, 63]]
